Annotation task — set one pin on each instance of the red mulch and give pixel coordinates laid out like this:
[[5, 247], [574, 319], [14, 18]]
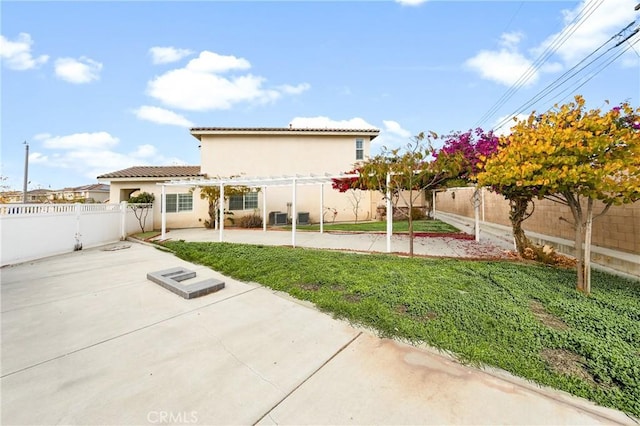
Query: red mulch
[[454, 235]]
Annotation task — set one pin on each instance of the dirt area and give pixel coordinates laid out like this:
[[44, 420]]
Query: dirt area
[[545, 317], [565, 362], [310, 286]]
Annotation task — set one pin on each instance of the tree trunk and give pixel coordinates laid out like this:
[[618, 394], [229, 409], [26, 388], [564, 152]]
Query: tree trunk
[[410, 223], [579, 232], [587, 248], [579, 227], [212, 215], [517, 215], [476, 213]]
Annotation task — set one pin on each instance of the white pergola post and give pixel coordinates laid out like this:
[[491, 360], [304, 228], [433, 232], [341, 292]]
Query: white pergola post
[[389, 213], [476, 211], [321, 208], [163, 206], [482, 203], [264, 183], [433, 203], [264, 209], [123, 220], [221, 214], [293, 214]]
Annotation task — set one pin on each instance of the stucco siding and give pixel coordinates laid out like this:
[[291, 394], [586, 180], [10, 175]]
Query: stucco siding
[[268, 155], [280, 155], [186, 219]]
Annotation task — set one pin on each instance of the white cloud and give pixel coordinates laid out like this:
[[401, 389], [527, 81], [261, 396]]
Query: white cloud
[[507, 125], [200, 87], [322, 122], [85, 141], [392, 135], [93, 154], [294, 90], [145, 151], [38, 157], [161, 116], [510, 41], [165, 55], [602, 23], [17, 54], [394, 128], [185, 89], [504, 66], [597, 23], [411, 2], [211, 62], [78, 71]]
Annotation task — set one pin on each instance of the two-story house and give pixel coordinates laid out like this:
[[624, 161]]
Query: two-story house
[[256, 152]]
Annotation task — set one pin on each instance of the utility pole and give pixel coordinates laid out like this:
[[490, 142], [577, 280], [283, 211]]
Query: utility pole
[[26, 172]]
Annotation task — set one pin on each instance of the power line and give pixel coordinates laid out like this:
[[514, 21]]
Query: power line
[[602, 67], [558, 41], [569, 74]]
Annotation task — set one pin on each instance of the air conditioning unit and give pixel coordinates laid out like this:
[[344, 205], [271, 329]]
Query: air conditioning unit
[[277, 218], [303, 218]]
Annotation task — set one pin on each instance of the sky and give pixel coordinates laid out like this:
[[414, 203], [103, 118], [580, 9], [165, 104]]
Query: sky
[[95, 87]]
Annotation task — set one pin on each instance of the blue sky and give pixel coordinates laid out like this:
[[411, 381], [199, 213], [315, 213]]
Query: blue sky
[[95, 87]]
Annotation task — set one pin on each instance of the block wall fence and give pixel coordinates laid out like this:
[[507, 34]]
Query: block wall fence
[[618, 229]]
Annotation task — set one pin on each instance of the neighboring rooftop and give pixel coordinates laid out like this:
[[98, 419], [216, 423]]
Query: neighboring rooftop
[[199, 131], [95, 187], [154, 172]]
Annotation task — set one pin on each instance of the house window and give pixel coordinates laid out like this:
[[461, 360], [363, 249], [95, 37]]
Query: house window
[[179, 203], [248, 201], [359, 149]]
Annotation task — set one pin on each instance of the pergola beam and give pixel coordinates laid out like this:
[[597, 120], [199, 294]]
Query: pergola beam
[[258, 182]]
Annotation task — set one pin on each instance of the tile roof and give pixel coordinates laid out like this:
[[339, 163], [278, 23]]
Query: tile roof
[[154, 172], [91, 187], [197, 131], [281, 129]]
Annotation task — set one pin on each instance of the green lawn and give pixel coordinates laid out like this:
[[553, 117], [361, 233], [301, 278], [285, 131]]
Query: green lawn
[[398, 226], [526, 319], [146, 235]]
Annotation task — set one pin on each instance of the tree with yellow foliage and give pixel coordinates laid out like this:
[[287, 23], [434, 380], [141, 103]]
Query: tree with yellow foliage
[[212, 195], [574, 157]]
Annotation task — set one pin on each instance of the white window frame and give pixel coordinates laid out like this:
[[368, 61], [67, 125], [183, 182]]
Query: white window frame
[[249, 201], [182, 203], [359, 149]]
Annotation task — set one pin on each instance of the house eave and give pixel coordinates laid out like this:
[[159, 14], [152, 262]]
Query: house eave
[[147, 179], [198, 132]]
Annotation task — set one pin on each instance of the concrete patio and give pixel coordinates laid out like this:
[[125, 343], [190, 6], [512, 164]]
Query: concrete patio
[[87, 339], [490, 246]]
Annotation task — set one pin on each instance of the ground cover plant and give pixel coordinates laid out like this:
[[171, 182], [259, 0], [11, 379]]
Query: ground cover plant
[[401, 226], [524, 318], [145, 236]]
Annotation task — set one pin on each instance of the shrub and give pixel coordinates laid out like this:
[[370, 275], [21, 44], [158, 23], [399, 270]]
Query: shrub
[[417, 213], [250, 221]]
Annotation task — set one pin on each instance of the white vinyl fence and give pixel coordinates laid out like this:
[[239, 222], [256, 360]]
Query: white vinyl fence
[[33, 231]]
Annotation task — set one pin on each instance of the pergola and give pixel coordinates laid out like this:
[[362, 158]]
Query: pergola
[[264, 183]]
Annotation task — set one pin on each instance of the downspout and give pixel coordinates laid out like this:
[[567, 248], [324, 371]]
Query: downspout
[[163, 206], [221, 214], [389, 213]]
